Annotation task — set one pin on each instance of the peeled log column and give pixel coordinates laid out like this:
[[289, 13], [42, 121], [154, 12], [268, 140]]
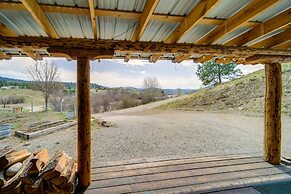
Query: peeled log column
[[273, 98], [84, 121]]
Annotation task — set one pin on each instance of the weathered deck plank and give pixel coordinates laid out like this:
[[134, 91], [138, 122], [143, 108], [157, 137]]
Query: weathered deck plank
[[196, 175]]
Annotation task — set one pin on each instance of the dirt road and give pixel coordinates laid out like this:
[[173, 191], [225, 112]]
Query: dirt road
[[142, 132]]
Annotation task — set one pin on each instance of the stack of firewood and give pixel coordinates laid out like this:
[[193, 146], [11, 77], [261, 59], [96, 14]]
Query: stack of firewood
[[24, 172]]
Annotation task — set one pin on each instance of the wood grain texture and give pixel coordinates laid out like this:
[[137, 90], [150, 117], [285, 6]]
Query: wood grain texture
[[84, 121], [273, 100]]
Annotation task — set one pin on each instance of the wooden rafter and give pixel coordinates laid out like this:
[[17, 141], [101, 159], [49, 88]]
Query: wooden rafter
[[274, 40], [114, 13], [181, 57], [155, 57], [5, 31], [37, 13], [93, 17], [128, 46], [274, 23], [148, 11], [285, 45], [201, 9], [247, 13]]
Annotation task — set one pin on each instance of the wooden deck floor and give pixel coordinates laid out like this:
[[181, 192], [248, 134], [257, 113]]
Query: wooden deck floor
[[210, 174]]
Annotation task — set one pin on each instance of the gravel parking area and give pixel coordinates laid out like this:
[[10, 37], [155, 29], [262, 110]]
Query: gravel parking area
[[154, 133]]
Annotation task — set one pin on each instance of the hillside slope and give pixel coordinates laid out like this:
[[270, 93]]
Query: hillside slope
[[245, 94]]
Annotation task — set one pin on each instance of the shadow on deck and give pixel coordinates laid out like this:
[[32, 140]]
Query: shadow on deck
[[240, 173]]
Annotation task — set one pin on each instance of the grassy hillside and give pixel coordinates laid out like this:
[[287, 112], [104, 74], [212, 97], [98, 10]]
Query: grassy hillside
[[245, 94], [28, 95]]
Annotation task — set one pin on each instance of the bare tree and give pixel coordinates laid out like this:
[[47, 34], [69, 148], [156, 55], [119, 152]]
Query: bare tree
[[152, 89], [45, 78]]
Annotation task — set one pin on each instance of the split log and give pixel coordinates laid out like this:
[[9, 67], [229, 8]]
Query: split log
[[13, 182], [13, 157], [55, 166], [39, 161], [34, 188], [72, 182], [65, 174]]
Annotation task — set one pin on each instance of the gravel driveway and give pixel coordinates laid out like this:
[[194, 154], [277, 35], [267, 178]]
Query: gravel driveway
[[154, 133]]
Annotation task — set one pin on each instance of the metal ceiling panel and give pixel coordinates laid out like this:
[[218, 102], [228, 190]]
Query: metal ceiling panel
[[157, 31], [275, 10], [196, 33], [70, 25], [79, 3], [227, 8], [233, 34], [125, 5], [176, 7], [21, 22], [114, 28], [273, 33]]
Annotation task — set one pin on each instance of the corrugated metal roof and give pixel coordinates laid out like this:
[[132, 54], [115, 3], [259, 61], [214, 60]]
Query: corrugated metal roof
[[113, 28], [69, 25], [275, 10], [10, 51], [79, 3], [21, 22], [175, 7], [233, 34], [196, 33], [126, 5], [273, 33], [157, 31], [227, 8]]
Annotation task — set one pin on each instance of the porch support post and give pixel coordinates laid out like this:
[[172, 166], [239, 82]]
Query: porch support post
[[84, 121], [273, 98]]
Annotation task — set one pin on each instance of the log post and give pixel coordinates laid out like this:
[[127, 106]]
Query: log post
[[84, 121], [273, 98]]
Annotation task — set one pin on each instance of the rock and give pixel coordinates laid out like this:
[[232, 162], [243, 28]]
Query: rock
[[12, 170], [26, 143], [240, 108]]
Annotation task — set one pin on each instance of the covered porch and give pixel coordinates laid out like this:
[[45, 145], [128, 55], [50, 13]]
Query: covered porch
[[253, 32]]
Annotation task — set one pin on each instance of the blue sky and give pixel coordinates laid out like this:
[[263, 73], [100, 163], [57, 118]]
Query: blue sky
[[117, 73]]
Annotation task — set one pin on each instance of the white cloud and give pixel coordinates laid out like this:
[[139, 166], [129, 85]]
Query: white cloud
[[246, 69], [132, 62]]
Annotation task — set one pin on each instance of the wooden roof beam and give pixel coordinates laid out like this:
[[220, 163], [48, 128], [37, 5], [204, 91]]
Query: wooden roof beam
[[31, 54], [5, 31], [148, 11], [275, 40], [155, 57], [3, 55], [201, 9], [180, 58], [37, 13], [127, 57], [247, 13], [203, 58], [225, 60], [128, 46], [267, 59], [279, 21], [93, 17]]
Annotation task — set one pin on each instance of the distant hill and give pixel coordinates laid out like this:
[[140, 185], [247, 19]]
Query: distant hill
[[7, 79], [4, 81], [245, 94]]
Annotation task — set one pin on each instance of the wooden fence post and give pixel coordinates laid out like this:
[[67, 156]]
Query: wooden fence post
[[273, 98], [84, 121]]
